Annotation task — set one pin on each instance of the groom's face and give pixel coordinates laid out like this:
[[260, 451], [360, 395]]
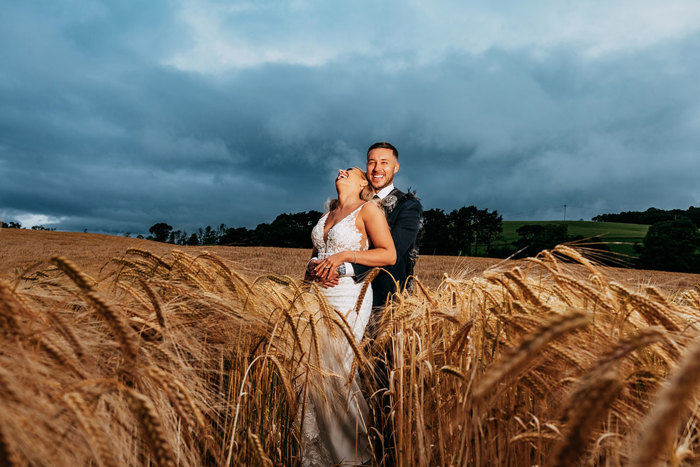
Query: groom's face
[[381, 167]]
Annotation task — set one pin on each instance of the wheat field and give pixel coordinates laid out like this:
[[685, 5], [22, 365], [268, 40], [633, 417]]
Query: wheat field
[[175, 357]]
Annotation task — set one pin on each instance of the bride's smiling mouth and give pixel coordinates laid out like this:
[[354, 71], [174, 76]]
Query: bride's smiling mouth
[[343, 174]]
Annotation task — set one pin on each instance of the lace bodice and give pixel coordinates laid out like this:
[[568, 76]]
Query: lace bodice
[[343, 236]]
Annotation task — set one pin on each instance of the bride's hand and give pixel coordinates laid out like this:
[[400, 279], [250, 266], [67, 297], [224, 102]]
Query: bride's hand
[[329, 266]]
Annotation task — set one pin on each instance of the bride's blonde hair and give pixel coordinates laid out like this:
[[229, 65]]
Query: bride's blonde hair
[[366, 194]]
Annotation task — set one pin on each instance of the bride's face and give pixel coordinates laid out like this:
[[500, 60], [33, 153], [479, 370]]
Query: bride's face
[[350, 179]]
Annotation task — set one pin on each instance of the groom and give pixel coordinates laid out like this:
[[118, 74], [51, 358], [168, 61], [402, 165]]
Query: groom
[[404, 213]]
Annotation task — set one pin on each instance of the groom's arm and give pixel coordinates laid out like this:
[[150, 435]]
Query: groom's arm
[[404, 233]]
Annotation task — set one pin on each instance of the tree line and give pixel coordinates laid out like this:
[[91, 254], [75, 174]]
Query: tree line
[[18, 225], [466, 231], [672, 242], [291, 230], [652, 216]]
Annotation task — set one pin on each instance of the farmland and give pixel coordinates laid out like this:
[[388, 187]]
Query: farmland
[[612, 232], [21, 249], [132, 352]]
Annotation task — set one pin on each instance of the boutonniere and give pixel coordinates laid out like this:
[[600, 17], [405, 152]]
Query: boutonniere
[[389, 202]]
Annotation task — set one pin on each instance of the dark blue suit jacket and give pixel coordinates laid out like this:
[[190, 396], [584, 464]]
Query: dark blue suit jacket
[[404, 222]]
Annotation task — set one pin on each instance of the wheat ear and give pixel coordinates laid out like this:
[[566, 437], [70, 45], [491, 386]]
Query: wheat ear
[[91, 430], [289, 391], [295, 330], [117, 325], [67, 332], [662, 422], [157, 309], [148, 255], [365, 285], [10, 309], [585, 413], [314, 337], [258, 451], [650, 310], [151, 428], [529, 295], [82, 280], [179, 396], [114, 320], [517, 359]]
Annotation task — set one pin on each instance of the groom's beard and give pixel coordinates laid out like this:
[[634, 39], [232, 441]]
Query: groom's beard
[[386, 183]]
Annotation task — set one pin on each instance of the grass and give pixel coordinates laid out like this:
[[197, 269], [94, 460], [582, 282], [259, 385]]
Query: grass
[[608, 231], [177, 358]]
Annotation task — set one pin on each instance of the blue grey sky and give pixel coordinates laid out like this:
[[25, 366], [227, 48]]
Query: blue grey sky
[[118, 114]]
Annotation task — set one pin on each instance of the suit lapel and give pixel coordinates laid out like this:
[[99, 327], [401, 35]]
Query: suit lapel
[[391, 200]]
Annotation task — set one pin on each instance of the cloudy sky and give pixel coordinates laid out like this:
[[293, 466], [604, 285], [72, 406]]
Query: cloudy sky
[[118, 114]]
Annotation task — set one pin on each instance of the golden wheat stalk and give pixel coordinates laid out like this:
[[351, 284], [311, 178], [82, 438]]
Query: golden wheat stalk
[[652, 312], [10, 310], [366, 282], [579, 288], [82, 280], [93, 433], [661, 424], [586, 411], [67, 332], [517, 359], [151, 428], [155, 301], [60, 357], [117, 325], [155, 259], [528, 294], [179, 396], [258, 451]]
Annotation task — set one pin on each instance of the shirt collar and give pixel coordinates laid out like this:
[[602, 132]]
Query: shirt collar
[[385, 191]]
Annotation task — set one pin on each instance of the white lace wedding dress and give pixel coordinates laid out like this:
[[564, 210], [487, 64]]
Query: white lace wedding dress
[[335, 426]]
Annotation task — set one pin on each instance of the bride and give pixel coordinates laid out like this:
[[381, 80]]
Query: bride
[[337, 434]]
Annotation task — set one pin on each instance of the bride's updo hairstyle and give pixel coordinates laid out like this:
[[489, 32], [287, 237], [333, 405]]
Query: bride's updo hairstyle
[[366, 194]]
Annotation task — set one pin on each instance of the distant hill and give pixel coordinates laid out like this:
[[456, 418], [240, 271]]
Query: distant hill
[[608, 231]]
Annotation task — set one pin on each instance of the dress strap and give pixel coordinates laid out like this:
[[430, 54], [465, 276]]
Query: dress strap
[[357, 210]]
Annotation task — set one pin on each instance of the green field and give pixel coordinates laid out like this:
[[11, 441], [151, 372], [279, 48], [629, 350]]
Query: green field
[[608, 231]]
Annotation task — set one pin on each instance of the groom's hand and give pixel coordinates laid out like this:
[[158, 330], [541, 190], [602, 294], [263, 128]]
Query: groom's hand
[[331, 281]]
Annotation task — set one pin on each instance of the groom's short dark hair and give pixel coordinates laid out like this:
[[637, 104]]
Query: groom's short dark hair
[[384, 145]]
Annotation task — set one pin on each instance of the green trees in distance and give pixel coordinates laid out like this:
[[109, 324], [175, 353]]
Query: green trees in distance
[[534, 238], [672, 246], [463, 232], [11, 225], [160, 231], [651, 216], [287, 230]]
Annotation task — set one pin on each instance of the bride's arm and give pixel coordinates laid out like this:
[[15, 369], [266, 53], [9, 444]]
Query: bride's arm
[[383, 252]]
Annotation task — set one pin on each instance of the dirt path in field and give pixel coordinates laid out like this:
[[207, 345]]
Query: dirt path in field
[[22, 249]]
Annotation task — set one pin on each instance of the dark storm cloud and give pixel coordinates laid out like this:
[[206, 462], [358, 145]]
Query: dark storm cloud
[[96, 134]]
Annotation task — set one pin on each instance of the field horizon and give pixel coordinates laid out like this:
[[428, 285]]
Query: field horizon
[[21, 249]]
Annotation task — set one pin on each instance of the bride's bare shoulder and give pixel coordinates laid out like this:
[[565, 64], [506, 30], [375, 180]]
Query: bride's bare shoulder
[[371, 209]]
